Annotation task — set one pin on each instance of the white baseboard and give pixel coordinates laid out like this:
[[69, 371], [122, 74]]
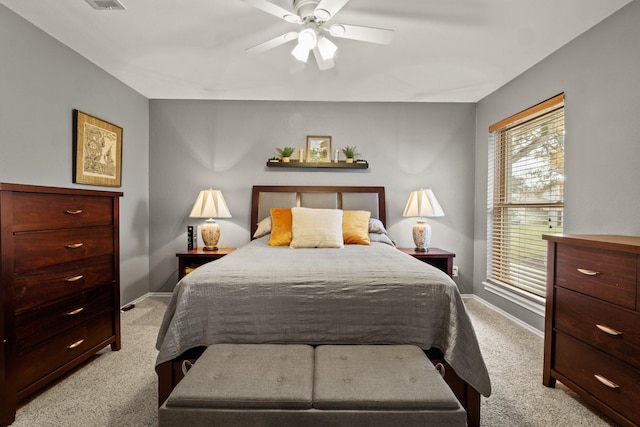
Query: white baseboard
[[505, 314], [150, 294]]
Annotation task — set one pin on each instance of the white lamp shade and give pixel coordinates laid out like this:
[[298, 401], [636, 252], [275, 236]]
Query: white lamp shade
[[210, 204], [423, 203]]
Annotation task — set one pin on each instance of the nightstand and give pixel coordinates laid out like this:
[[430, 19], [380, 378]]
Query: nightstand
[[193, 258], [439, 258]]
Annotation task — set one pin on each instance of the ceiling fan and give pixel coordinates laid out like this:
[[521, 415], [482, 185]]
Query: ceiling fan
[[313, 16]]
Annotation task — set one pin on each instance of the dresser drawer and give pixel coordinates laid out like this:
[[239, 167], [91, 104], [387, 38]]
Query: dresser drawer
[[603, 325], [607, 275], [43, 248], [64, 315], [37, 362], [581, 363], [50, 211], [49, 284]]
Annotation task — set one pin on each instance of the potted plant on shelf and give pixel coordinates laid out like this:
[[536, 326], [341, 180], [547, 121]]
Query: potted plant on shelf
[[350, 152], [285, 153]]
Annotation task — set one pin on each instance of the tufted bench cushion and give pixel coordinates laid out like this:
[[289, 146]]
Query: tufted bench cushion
[[252, 376], [292, 385], [378, 377]]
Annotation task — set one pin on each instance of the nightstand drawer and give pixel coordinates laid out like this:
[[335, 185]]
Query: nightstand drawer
[[44, 248], [604, 377], [601, 324], [52, 211], [60, 281], [610, 276]]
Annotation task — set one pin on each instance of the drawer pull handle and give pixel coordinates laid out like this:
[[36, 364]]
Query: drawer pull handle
[[606, 381], [74, 212], [74, 312], [75, 344], [588, 272], [608, 330], [74, 278], [74, 245]]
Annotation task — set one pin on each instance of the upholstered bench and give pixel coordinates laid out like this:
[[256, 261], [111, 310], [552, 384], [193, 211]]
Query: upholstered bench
[[297, 385]]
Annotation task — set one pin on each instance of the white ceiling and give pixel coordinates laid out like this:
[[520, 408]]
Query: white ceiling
[[443, 50]]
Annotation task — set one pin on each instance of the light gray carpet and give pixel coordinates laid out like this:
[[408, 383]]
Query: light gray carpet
[[120, 388]]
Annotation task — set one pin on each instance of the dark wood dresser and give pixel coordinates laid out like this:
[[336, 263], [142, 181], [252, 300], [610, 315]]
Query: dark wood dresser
[[592, 333], [60, 284]]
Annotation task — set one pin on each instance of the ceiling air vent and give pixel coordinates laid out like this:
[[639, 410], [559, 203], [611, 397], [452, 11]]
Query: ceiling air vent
[[106, 4]]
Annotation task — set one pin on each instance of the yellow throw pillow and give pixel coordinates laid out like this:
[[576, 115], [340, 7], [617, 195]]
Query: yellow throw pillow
[[355, 227], [280, 227]]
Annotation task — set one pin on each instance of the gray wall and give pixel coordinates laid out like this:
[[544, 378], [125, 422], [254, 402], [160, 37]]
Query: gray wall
[[225, 145], [41, 82], [599, 72]]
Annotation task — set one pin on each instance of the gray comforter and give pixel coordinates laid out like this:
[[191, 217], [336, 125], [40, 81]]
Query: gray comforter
[[359, 294]]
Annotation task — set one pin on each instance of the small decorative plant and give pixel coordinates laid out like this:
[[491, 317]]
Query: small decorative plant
[[285, 153], [350, 152], [274, 159]]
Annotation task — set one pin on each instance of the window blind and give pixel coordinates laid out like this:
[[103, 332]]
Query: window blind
[[526, 194]]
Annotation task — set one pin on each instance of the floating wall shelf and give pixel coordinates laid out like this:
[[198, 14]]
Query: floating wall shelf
[[319, 165]]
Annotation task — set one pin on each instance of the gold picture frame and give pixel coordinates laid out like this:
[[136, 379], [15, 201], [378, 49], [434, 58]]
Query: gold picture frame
[[97, 151], [318, 148]]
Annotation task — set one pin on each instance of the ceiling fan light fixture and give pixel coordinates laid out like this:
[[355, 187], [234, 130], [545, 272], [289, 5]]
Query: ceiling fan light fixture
[[308, 38], [326, 48], [300, 52]]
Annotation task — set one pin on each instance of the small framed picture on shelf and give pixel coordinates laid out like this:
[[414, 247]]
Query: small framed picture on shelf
[[318, 148]]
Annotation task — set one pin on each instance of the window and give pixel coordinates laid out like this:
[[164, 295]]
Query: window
[[525, 194]]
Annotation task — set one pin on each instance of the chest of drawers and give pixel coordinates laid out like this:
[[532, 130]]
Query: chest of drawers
[[592, 339], [60, 293]]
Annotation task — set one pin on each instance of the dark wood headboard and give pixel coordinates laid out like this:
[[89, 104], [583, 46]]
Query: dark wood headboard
[[264, 197]]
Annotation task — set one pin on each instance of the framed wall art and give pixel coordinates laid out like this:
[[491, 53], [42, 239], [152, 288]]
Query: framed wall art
[[97, 151], [318, 148]]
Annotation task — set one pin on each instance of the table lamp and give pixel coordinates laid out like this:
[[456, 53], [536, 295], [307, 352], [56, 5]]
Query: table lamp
[[422, 203], [210, 204]]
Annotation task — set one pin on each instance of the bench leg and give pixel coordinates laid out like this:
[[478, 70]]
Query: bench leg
[[468, 396]]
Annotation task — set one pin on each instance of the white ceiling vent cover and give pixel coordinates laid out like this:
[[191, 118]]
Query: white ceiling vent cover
[[106, 4]]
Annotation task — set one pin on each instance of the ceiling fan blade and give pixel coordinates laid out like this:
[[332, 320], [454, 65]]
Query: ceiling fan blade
[[323, 64], [365, 34], [270, 44], [327, 9], [275, 10]]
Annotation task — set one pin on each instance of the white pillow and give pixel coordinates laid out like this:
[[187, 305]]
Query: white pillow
[[264, 228], [316, 228], [375, 226]]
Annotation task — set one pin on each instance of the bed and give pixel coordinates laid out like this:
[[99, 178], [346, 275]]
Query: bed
[[358, 293]]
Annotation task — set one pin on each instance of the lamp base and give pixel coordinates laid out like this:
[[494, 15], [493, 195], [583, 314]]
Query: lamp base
[[421, 236], [210, 231]]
